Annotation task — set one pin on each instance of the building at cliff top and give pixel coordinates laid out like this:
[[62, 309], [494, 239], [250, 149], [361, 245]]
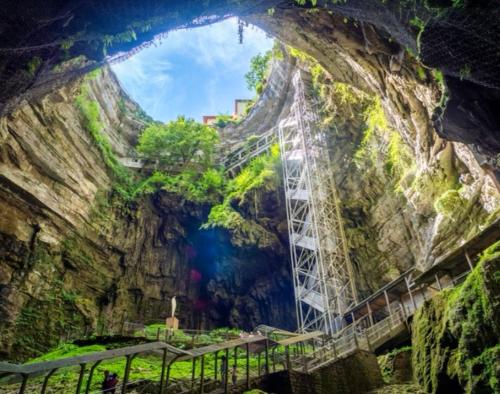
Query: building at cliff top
[[240, 106]]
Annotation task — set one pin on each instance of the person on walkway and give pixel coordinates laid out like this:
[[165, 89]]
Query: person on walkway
[[109, 383], [234, 375], [113, 383]]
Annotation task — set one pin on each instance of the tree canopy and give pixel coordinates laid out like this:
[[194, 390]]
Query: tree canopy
[[183, 143], [258, 69]]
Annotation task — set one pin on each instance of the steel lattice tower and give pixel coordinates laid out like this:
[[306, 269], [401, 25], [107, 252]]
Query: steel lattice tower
[[322, 270]]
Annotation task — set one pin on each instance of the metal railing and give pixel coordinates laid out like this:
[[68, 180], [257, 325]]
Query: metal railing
[[236, 159]]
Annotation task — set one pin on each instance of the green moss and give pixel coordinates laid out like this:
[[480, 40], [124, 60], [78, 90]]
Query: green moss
[[90, 111], [455, 336], [298, 54], [67, 350], [449, 203], [261, 174], [33, 65], [399, 158], [38, 332], [375, 120], [386, 362], [144, 366]]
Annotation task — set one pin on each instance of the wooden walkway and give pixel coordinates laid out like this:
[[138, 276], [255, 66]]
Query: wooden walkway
[[368, 326]]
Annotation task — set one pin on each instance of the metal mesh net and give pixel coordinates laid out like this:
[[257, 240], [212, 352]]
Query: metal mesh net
[[465, 45]]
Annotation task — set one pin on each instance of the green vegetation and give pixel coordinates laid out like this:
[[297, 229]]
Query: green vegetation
[[33, 65], [144, 366], [375, 120], [259, 68], [455, 335], [195, 186], [449, 203], [184, 150], [183, 143], [260, 174], [386, 362], [399, 158], [56, 301], [222, 120], [90, 111]]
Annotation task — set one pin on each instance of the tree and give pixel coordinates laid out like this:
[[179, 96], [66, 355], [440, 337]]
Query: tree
[[258, 69], [183, 143]]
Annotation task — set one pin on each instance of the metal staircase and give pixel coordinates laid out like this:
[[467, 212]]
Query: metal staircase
[[322, 271], [238, 158]]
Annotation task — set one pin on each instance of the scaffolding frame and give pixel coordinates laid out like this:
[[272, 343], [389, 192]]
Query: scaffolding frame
[[322, 270]]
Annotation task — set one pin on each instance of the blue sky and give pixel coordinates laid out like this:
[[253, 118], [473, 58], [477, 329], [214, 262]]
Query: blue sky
[[193, 72]]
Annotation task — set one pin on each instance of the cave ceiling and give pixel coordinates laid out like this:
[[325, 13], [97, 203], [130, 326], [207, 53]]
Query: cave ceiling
[[359, 41]]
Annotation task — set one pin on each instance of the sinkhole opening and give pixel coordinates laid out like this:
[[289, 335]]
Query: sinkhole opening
[[201, 73]]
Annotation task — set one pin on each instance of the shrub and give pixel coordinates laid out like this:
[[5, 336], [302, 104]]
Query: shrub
[[449, 203], [183, 143], [259, 66]]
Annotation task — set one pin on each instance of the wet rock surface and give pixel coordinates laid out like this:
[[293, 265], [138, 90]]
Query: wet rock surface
[[74, 260]]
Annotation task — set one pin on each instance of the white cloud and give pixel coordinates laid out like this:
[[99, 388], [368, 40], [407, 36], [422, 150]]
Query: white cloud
[[170, 77]]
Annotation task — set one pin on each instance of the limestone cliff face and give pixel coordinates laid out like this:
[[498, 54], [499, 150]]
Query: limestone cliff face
[[408, 197], [69, 261], [73, 259]]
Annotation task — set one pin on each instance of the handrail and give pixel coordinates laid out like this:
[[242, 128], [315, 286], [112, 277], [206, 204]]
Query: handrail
[[44, 366]]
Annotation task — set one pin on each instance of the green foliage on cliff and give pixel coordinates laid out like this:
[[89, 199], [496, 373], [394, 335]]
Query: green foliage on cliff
[[260, 174], [399, 157], [222, 120], [33, 65], [90, 111], [386, 362], [455, 335], [195, 186], [374, 120], [39, 332], [183, 151], [182, 143], [256, 76], [449, 203]]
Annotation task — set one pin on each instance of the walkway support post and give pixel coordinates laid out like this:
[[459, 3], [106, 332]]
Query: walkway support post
[[91, 374], [410, 293], [216, 372], [247, 347], [163, 368], [469, 261], [202, 374], [168, 375], [387, 302], [226, 372], [46, 380], [24, 383], [369, 313], [258, 364], [267, 356], [193, 372], [438, 282], [287, 357], [126, 374], [80, 378], [368, 341]]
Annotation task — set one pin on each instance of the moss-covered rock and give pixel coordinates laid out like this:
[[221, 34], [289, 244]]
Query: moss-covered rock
[[455, 335], [396, 365]]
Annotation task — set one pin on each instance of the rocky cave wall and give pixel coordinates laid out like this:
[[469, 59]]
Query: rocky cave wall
[[358, 54], [75, 259], [456, 37], [391, 167]]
